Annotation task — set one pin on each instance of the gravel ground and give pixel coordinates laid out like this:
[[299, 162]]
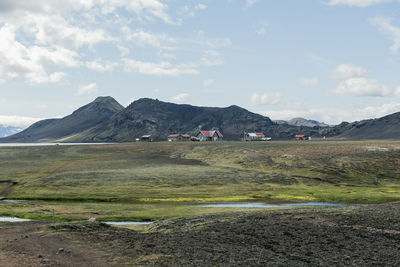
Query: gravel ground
[[366, 235]]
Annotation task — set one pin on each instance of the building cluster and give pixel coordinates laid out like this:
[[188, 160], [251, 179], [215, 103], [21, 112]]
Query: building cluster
[[216, 135]]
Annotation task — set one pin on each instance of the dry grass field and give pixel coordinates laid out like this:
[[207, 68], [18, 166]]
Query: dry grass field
[[148, 181]]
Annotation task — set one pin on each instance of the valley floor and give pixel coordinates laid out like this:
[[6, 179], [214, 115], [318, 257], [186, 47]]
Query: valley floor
[[150, 181], [361, 236]]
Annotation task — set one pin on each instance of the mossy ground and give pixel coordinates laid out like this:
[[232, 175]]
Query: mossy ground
[[69, 178]]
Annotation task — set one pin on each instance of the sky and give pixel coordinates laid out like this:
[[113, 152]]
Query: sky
[[327, 60]]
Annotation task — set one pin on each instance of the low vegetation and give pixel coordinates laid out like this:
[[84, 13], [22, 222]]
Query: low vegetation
[[148, 181]]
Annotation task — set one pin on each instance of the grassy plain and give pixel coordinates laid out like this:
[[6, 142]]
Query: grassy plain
[[147, 181]]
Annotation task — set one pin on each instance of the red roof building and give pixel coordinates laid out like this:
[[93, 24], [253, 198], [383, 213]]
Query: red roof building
[[210, 135], [301, 137], [255, 137], [178, 137]]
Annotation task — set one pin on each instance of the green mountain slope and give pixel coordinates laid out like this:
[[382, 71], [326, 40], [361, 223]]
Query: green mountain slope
[[101, 109]]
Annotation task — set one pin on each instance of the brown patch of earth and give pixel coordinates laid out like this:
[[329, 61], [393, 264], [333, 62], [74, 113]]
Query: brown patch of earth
[[358, 236]]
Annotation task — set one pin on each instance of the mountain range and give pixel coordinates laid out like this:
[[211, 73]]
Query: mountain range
[[80, 120], [302, 122], [9, 130], [105, 120]]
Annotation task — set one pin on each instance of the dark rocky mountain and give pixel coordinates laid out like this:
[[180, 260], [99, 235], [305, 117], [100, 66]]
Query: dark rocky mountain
[[9, 130], [105, 120], [86, 117], [159, 119], [387, 127]]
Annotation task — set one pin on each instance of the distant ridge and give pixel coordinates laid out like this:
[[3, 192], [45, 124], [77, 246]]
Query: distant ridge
[[9, 130], [302, 122], [105, 120], [101, 109], [387, 127], [159, 119]]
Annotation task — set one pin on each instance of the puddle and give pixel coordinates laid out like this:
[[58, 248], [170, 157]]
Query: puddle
[[265, 205], [11, 201], [13, 219], [127, 223]]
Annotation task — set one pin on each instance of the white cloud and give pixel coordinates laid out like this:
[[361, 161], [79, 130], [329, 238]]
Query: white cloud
[[207, 83], [185, 10], [17, 121], [58, 56], [266, 98], [386, 26], [163, 68], [309, 81], [39, 35], [90, 88], [144, 9], [344, 71], [190, 11], [200, 6], [19, 61], [363, 87], [332, 116], [123, 51], [101, 66], [250, 3], [356, 84], [211, 58], [358, 3], [200, 38], [55, 30], [142, 38], [260, 28], [181, 98]]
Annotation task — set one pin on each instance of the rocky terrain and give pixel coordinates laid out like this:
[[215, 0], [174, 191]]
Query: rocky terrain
[[359, 236]]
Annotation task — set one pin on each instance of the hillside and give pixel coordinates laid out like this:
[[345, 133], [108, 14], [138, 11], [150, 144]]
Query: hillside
[[159, 119], [101, 109], [387, 127]]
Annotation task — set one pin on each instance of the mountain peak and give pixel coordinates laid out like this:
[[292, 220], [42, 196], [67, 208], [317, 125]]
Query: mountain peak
[[104, 99]]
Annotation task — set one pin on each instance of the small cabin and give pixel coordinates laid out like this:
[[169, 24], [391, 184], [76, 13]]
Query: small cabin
[[212, 135], [302, 137], [256, 137], [146, 138], [178, 137]]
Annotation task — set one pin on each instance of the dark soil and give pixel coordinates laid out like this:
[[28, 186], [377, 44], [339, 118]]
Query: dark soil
[[361, 236]]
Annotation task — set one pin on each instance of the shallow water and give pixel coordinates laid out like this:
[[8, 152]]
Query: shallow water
[[11, 201], [265, 205], [127, 223], [13, 219]]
